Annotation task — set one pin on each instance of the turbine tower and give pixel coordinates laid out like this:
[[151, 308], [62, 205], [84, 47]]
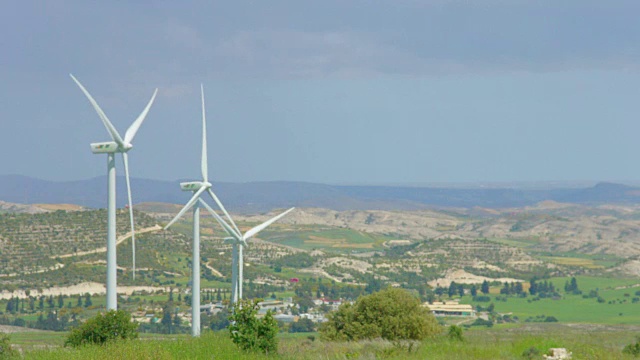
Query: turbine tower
[[239, 241], [117, 145], [198, 188]]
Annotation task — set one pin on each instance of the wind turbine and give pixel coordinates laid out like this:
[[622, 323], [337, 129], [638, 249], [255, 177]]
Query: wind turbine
[[239, 241], [117, 145], [198, 188]]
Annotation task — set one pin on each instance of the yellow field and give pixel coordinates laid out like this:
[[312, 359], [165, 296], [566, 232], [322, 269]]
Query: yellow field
[[336, 243], [569, 261], [54, 207]]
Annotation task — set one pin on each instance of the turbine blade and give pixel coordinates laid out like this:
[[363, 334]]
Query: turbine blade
[[215, 198], [205, 170], [107, 124], [133, 129], [262, 226], [125, 159], [187, 206], [221, 221]]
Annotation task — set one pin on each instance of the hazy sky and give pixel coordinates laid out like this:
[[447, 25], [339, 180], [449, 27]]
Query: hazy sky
[[338, 91]]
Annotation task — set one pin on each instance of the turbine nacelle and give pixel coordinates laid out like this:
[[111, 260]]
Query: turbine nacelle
[[194, 185], [104, 147], [109, 147]]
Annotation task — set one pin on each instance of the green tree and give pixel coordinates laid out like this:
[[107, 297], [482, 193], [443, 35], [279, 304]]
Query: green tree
[[220, 320], [166, 319], [392, 314], [87, 300], [485, 287], [250, 333], [452, 289], [104, 327], [302, 325]]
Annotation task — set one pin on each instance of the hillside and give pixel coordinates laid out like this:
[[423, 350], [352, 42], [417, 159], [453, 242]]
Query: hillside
[[402, 248], [262, 196]]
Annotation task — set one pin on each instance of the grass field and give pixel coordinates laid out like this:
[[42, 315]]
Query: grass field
[[323, 238], [618, 307], [497, 343]]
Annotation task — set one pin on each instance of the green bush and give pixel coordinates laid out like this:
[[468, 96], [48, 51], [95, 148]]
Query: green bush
[[103, 328], [392, 314], [250, 333], [6, 351], [633, 349], [531, 353], [455, 333]]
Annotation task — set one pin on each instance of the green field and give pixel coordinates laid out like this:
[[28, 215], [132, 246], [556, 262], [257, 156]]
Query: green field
[[497, 343], [574, 308], [327, 238]]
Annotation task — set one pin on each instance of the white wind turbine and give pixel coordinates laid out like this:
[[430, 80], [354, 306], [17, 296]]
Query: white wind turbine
[[198, 187], [118, 145], [239, 241]]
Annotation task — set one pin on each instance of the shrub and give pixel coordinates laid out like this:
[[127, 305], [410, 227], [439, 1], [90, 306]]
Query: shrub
[[531, 353], [633, 349], [482, 322], [102, 328], [392, 314], [6, 351], [302, 325], [250, 333], [481, 298], [455, 333]]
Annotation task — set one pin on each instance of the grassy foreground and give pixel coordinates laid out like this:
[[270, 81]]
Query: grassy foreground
[[501, 343]]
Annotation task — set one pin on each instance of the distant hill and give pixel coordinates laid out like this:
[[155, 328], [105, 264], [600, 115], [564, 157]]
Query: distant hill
[[263, 196]]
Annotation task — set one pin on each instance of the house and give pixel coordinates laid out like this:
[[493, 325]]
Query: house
[[450, 308]]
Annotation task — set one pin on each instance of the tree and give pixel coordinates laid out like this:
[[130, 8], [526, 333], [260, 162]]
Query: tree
[[87, 300], [220, 320], [102, 328], [176, 320], [474, 290], [250, 333], [392, 314], [166, 319], [452, 289], [302, 325], [10, 308], [485, 287], [533, 287], [517, 288]]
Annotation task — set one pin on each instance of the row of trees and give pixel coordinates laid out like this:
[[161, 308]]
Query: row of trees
[[22, 305]]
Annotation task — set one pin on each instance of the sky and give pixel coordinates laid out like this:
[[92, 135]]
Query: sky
[[332, 91]]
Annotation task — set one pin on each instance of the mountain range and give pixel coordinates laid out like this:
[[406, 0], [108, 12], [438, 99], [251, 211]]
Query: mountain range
[[262, 196]]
